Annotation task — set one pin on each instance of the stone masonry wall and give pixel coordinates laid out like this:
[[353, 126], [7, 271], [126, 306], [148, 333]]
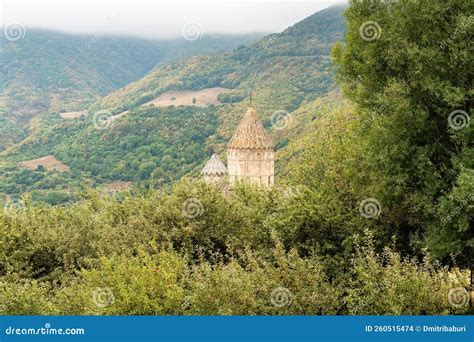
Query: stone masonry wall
[[255, 166]]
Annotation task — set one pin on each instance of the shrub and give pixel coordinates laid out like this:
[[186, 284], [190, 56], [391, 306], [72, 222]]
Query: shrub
[[387, 284], [146, 284]]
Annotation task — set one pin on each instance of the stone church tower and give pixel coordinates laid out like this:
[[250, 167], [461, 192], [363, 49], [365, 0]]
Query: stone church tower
[[250, 156], [251, 153], [214, 171]]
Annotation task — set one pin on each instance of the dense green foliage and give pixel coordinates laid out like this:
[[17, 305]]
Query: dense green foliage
[[311, 245], [146, 254], [151, 142], [416, 158]]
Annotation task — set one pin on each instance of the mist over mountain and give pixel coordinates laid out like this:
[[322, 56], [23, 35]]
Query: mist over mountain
[[283, 72], [324, 169]]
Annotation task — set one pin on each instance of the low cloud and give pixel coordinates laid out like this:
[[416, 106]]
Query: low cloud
[[158, 19]]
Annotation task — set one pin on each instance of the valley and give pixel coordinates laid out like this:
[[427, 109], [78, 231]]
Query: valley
[[200, 99], [327, 169], [51, 71]]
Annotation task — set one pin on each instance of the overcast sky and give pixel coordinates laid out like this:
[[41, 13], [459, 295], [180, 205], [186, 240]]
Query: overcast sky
[[159, 18]]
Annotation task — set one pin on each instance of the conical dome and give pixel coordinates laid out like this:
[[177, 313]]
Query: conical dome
[[214, 167], [251, 134]]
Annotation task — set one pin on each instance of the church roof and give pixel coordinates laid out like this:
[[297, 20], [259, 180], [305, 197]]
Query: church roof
[[250, 134], [214, 166]]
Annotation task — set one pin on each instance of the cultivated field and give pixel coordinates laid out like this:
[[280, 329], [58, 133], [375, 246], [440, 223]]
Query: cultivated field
[[73, 115], [48, 162], [201, 98]]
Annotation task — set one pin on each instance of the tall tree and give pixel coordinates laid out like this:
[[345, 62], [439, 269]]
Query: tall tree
[[407, 65]]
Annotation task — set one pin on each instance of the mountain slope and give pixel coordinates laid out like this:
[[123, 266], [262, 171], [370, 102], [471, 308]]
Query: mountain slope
[[283, 71], [52, 71], [269, 61]]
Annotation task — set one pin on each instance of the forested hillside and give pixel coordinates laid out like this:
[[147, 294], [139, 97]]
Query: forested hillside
[[283, 71], [373, 213], [49, 71]]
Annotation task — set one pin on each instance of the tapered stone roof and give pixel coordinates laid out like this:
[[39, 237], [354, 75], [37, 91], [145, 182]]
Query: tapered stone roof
[[214, 167], [250, 134]]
